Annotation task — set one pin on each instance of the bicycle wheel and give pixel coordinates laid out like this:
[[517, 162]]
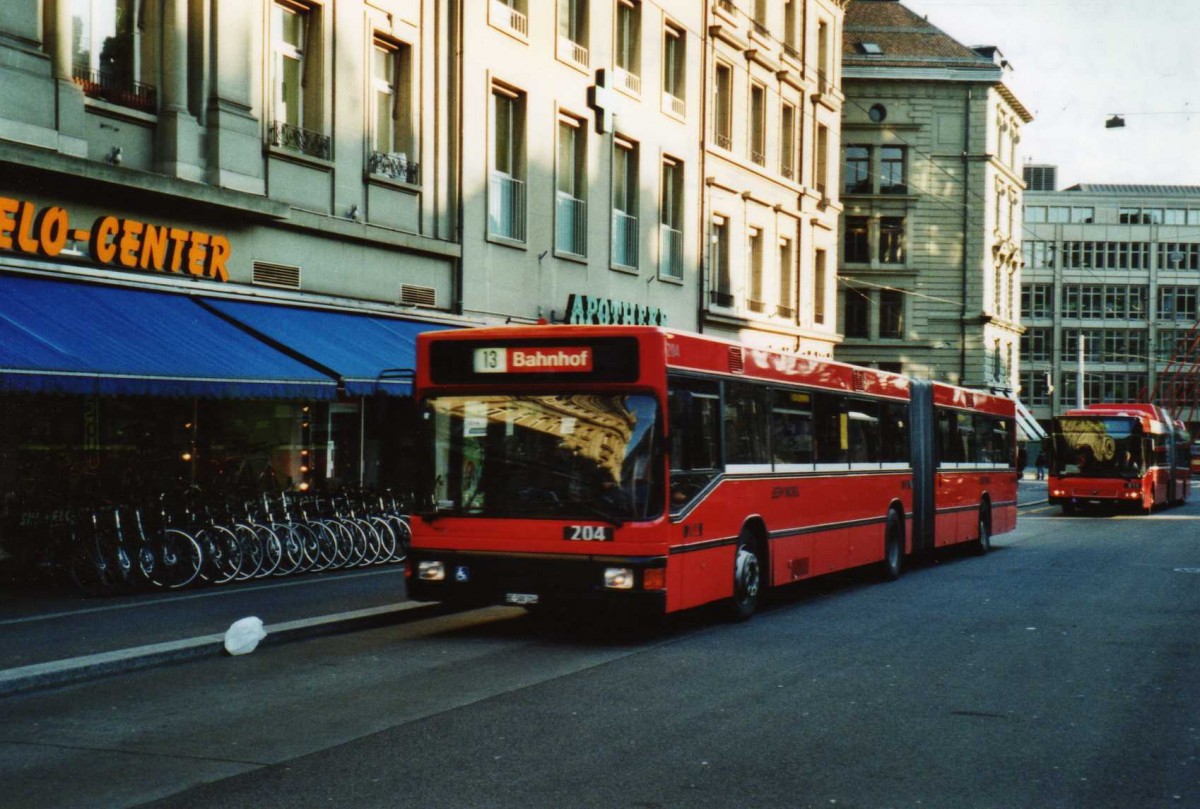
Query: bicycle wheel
[[224, 554], [309, 544], [387, 539], [88, 572], [181, 559], [359, 544], [146, 562], [345, 542], [403, 538], [272, 550], [326, 545], [253, 553], [292, 550]]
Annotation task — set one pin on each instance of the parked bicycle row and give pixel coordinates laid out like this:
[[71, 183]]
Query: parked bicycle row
[[118, 549]]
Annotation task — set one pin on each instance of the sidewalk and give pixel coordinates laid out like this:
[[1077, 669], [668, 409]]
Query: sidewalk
[[52, 635]]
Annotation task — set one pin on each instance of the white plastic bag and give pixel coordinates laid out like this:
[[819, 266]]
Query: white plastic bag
[[244, 635]]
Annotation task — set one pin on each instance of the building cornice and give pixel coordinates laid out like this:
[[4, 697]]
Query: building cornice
[[988, 74]]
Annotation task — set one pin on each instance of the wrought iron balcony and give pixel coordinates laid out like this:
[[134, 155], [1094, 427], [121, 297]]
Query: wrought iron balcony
[[312, 144], [395, 165], [104, 85]]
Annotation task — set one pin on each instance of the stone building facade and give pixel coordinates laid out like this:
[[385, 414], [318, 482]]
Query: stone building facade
[[930, 260]]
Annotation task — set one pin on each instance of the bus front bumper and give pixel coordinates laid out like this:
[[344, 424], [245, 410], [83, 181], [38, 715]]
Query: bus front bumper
[[537, 580]]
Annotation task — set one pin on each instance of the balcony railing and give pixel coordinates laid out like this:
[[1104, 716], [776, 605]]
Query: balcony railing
[[395, 165], [573, 51], [313, 144], [758, 157], [505, 16], [625, 239], [126, 92], [570, 225], [506, 207], [724, 141], [628, 81], [671, 255], [674, 104]]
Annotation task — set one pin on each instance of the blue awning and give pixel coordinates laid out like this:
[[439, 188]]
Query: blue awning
[[68, 337], [369, 353]]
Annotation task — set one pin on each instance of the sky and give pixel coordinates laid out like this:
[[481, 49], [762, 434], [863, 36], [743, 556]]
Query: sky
[[1078, 62]]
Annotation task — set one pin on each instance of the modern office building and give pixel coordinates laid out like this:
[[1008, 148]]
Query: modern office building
[[1113, 270], [930, 259]]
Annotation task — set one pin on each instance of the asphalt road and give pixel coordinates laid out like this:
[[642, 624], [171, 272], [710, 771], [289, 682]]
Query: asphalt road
[[1058, 671]]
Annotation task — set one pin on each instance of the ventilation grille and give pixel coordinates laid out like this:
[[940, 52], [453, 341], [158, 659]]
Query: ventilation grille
[[417, 295], [276, 275], [736, 364]]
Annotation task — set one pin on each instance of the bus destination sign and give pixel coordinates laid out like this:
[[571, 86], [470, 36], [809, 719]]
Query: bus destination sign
[[533, 359]]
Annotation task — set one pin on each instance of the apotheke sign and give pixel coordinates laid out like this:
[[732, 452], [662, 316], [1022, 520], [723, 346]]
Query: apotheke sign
[[113, 242], [590, 310]]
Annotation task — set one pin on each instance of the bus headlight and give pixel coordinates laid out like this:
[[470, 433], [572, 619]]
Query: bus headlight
[[431, 570], [618, 578]]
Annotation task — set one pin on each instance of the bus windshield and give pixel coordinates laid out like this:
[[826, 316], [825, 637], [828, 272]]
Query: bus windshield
[[572, 455], [1092, 446]]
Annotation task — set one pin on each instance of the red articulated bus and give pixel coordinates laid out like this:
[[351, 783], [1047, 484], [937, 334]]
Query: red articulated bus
[[1132, 454], [634, 466]]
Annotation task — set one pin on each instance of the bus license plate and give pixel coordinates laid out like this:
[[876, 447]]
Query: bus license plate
[[588, 533], [520, 598]]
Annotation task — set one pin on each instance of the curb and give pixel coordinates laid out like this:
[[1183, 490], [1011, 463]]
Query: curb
[[79, 669]]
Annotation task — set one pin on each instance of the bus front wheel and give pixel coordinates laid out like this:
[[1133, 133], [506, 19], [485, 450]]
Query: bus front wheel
[[747, 577]]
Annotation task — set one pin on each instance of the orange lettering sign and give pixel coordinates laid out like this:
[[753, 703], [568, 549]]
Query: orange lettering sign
[[111, 241]]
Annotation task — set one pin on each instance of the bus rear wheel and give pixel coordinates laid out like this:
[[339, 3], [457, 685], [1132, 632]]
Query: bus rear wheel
[[747, 577], [893, 548], [984, 543]]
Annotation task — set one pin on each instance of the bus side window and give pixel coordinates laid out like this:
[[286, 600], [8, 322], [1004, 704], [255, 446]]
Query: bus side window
[[694, 412], [791, 427], [894, 433], [827, 428], [745, 423], [949, 444], [862, 427]]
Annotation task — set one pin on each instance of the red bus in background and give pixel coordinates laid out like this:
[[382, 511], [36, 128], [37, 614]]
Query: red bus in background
[[1134, 454], [635, 466]]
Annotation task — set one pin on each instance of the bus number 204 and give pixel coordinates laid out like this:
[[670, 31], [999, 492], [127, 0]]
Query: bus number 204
[[588, 533]]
